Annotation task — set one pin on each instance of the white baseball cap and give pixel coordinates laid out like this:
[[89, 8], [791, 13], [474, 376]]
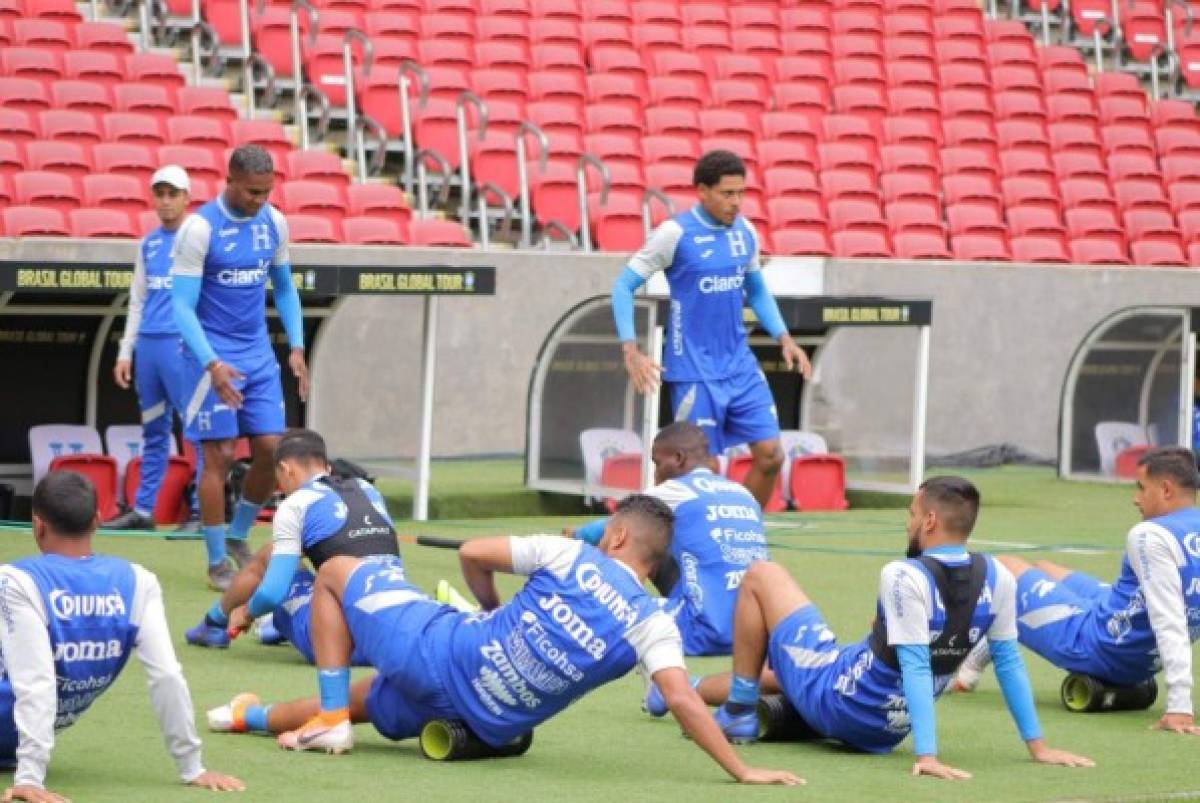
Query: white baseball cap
[[174, 175]]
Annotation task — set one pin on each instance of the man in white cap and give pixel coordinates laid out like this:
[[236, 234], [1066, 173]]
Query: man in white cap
[[152, 339]]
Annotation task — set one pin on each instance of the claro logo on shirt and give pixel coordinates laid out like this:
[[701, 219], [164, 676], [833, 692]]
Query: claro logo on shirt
[[242, 277], [721, 284], [158, 282], [67, 606]]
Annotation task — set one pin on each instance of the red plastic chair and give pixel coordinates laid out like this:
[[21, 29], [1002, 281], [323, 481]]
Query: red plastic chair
[[172, 505], [1127, 461], [621, 471], [740, 466], [101, 470], [818, 482]]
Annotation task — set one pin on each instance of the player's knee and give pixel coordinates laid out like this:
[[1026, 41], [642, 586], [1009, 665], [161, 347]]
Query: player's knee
[[1017, 566], [764, 574], [218, 456], [262, 447], [768, 457]]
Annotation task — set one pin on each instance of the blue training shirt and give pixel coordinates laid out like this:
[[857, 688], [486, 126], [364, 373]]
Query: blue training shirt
[[233, 256], [581, 620], [705, 264], [150, 308]]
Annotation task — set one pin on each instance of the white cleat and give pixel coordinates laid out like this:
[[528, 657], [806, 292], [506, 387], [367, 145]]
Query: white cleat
[[318, 736], [231, 717]]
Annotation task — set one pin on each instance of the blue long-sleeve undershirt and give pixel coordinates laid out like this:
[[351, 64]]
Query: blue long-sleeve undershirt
[[287, 302], [591, 532], [185, 295], [1014, 683], [274, 585], [622, 303], [917, 679], [763, 304]]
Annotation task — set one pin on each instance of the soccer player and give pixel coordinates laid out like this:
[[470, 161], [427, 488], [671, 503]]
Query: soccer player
[[1123, 633], [322, 517], [718, 534], [932, 608], [710, 256], [69, 620], [581, 620], [224, 254], [150, 325]]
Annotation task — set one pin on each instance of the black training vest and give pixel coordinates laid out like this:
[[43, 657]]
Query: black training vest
[[365, 532], [959, 588]]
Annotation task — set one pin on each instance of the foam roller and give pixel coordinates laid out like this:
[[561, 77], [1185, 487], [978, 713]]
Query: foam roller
[[452, 740], [1085, 694]]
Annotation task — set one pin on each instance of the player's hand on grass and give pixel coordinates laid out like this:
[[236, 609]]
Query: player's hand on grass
[[1177, 723], [223, 375], [643, 371], [1049, 755], [757, 775], [794, 357], [240, 619], [300, 370], [34, 794], [217, 782], [123, 373], [929, 765]]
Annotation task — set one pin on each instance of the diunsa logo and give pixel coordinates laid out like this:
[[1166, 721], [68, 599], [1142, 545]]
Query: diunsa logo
[[67, 606]]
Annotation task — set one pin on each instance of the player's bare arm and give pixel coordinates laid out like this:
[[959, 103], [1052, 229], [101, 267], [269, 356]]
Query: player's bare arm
[[480, 560], [644, 372]]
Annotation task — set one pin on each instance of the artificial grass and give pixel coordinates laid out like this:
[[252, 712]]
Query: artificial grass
[[604, 748]]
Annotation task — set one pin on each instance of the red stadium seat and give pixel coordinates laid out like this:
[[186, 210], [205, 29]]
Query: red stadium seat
[[143, 129], [1079, 165], [974, 218], [1035, 220], [268, 134], [1152, 224], [920, 245], [1158, 253], [664, 148], [101, 223], [1041, 249], [1092, 251], [1082, 192], [46, 34], [70, 126], [802, 242], [313, 198], [438, 233], [319, 165], [88, 65], [1095, 223], [909, 187], [124, 158], [206, 102], [1068, 108], [198, 162], [31, 62], [862, 245], [33, 221], [23, 93], [980, 247], [114, 191], [105, 36], [1174, 114], [172, 505], [856, 215], [370, 230], [152, 99], [798, 213], [101, 470], [1026, 163], [1025, 190], [313, 229], [16, 125], [1140, 194], [910, 216], [68, 158], [86, 96], [152, 68], [1184, 196]]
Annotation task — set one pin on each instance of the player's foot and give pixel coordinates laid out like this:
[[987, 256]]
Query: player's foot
[[318, 734], [264, 628], [738, 728], [237, 549], [191, 526], [653, 703], [448, 595], [129, 520], [206, 635], [220, 575], [231, 717]]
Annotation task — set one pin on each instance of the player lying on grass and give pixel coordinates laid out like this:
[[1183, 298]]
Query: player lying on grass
[[70, 620], [1122, 634], [581, 620], [932, 608], [718, 534], [322, 517]]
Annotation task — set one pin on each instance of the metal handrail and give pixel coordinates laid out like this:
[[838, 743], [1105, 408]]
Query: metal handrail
[[355, 146], [585, 234], [257, 62], [144, 23], [422, 190], [410, 67], [247, 67], [300, 110], [485, 240], [649, 195], [509, 207], [464, 152], [309, 91], [364, 122], [554, 225], [525, 129], [196, 20], [1158, 50]]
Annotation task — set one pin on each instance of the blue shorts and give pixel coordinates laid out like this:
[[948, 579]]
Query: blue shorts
[[8, 731], [396, 637], [731, 411], [262, 412], [294, 615], [699, 636], [813, 672]]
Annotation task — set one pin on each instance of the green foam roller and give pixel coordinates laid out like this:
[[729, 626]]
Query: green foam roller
[[1085, 694], [452, 740]]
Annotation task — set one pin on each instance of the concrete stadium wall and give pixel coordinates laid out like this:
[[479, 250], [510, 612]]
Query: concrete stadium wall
[[1002, 338]]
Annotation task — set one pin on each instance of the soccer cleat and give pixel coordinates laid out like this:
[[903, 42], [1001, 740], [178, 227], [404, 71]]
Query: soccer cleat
[[264, 628], [231, 717], [448, 595], [319, 735], [220, 575], [129, 520], [653, 703], [738, 728], [239, 551], [205, 635]]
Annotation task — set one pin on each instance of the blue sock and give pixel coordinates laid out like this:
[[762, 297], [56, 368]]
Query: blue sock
[[743, 695], [256, 718], [215, 616], [214, 542], [245, 513], [335, 688]]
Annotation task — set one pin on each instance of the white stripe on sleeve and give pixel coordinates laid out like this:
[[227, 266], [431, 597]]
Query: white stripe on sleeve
[[1155, 557]]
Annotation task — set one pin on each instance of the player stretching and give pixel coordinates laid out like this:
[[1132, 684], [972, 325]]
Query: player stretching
[[321, 518], [224, 254], [718, 534], [151, 326], [581, 620], [932, 608], [69, 620], [1123, 633], [710, 257]]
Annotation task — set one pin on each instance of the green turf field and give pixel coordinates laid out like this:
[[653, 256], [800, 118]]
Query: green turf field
[[604, 748]]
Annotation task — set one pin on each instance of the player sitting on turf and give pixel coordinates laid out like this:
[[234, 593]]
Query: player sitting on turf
[[70, 621], [932, 608], [1122, 634], [581, 620], [322, 517], [718, 534]]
